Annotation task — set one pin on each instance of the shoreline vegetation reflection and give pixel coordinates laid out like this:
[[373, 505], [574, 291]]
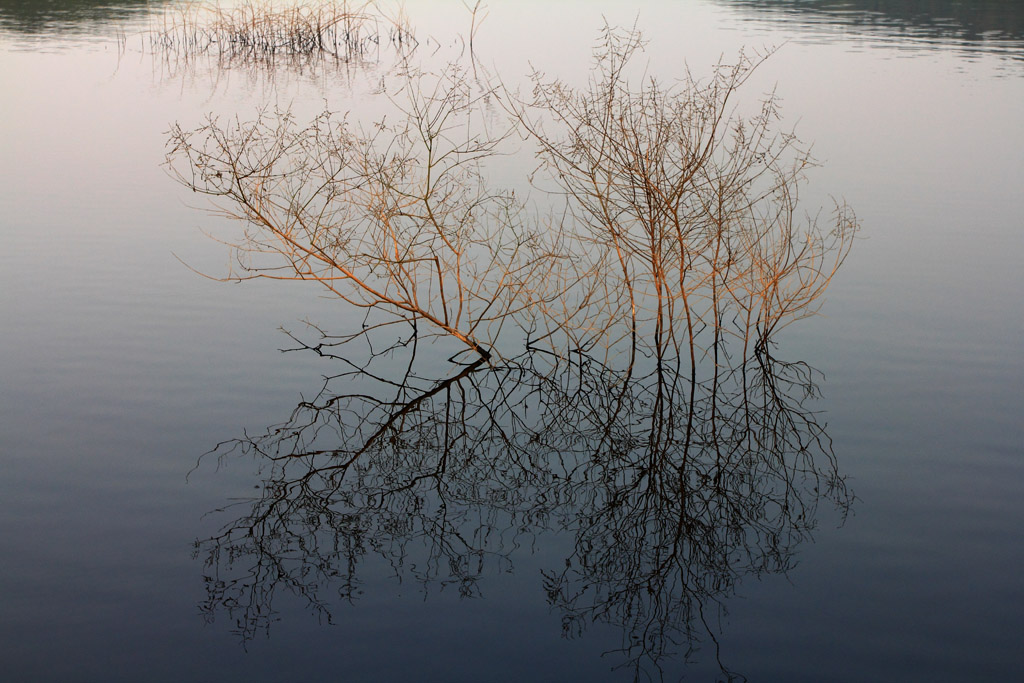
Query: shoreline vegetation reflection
[[969, 27], [611, 374], [35, 19]]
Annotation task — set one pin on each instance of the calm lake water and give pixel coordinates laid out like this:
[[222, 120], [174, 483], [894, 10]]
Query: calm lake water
[[121, 366]]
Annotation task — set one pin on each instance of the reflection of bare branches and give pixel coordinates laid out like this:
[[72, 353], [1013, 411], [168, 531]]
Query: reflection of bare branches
[[679, 519], [670, 502]]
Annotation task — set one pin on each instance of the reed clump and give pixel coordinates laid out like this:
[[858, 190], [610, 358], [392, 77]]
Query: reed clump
[[264, 31]]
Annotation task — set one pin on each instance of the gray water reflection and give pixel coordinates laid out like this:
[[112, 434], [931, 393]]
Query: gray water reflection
[[666, 494], [971, 27]]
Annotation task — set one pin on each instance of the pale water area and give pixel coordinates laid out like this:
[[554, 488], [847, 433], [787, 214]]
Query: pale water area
[[121, 365]]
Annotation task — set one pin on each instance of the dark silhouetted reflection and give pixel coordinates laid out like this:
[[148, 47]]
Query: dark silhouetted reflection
[[671, 491], [969, 26]]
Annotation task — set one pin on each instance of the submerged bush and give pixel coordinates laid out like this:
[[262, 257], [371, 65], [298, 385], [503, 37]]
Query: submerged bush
[[674, 222], [693, 209]]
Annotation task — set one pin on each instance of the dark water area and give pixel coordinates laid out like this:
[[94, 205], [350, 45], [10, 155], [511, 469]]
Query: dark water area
[[180, 500]]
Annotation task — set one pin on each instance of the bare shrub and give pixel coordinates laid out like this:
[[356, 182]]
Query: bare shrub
[[696, 206], [680, 224], [397, 218]]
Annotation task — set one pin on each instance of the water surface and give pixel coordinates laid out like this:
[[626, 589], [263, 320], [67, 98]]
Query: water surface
[[121, 366]]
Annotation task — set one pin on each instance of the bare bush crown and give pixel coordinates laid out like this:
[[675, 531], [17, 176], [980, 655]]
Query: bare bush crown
[[680, 218]]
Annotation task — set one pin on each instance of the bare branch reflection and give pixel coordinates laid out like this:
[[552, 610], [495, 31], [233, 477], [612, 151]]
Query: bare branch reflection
[[671, 493]]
